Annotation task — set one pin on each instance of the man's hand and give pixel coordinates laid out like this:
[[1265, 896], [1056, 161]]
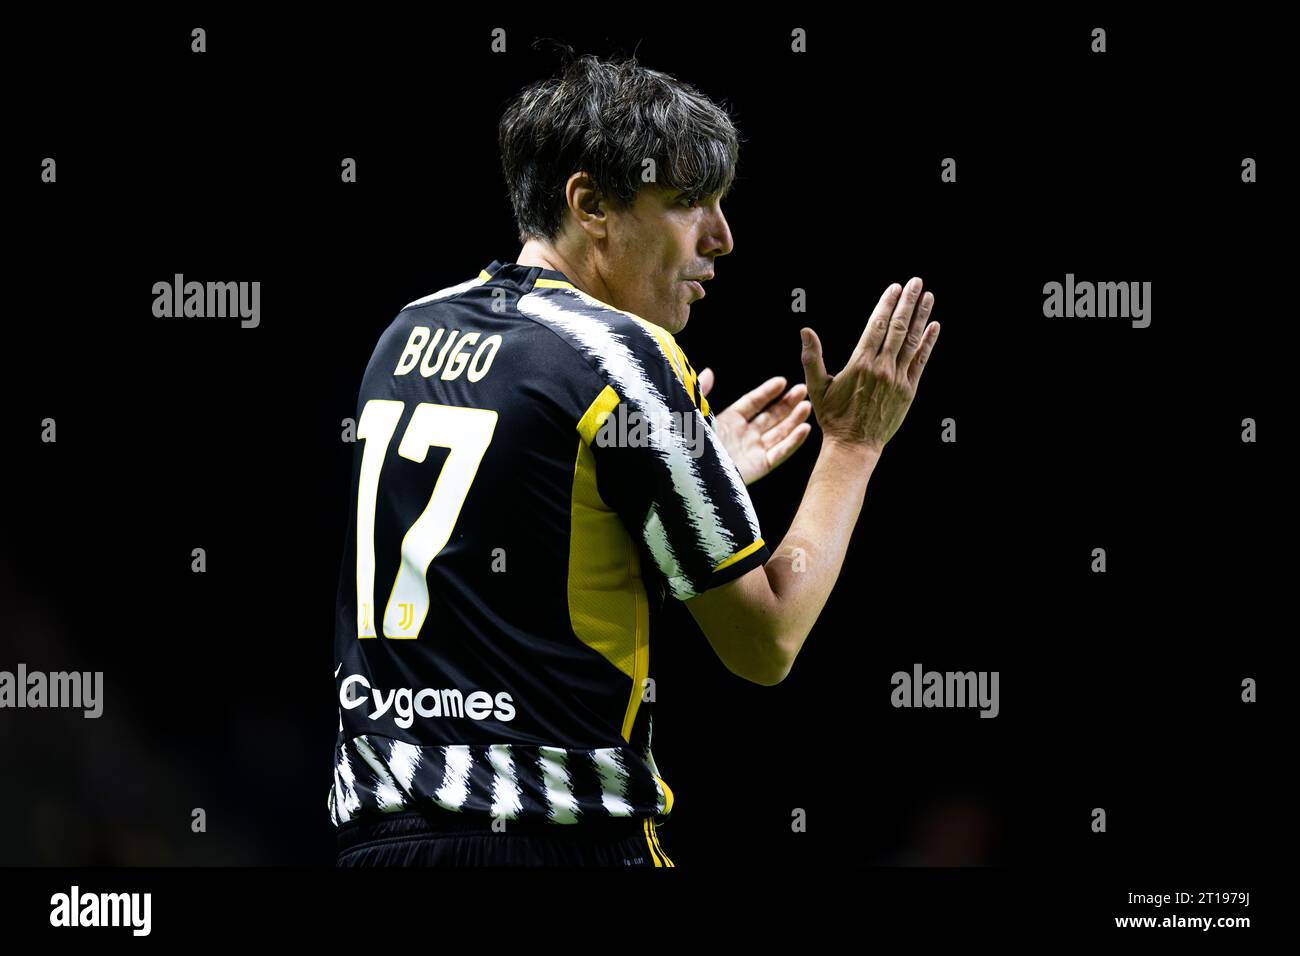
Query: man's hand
[[865, 402], [756, 436]]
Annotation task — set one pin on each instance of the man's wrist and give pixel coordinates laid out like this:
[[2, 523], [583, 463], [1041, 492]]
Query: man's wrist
[[855, 450]]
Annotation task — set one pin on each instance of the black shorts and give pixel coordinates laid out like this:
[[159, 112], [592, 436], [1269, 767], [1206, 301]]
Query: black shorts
[[423, 839]]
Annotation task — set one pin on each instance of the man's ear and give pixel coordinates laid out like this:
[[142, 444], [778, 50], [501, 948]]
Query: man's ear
[[586, 204]]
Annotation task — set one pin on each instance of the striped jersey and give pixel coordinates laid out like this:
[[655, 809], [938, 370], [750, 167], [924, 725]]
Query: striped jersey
[[534, 473]]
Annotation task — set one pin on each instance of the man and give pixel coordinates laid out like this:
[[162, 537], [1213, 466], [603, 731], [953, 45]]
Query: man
[[538, 467]]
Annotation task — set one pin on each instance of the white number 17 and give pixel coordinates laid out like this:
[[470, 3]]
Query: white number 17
[[467, 432]]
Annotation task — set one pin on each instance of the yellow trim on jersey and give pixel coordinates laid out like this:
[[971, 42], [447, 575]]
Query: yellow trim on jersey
[[483, 274], [677, 360], [742, 553], [652, 841], [596, 413], [645, 828], [668, 795], [654, 838], [608, 608], [667, 346], [553, 284]]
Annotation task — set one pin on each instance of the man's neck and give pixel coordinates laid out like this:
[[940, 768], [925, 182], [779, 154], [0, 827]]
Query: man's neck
[[537, 252]]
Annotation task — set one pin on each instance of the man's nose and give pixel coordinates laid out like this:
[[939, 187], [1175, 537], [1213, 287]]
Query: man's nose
[[717, 237]]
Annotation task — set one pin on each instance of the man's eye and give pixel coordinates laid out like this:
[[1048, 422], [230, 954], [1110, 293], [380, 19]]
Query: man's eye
[[688, 201]]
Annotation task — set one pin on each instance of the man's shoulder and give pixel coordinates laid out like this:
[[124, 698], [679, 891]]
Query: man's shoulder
[[445, 295], [630, 352], [447, 307], [584, 322], [587, 319]]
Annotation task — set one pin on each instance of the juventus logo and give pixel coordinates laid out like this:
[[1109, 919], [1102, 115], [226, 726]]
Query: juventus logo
[[405, 624]]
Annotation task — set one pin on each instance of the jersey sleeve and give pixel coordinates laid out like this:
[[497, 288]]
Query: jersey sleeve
[[660, 462]]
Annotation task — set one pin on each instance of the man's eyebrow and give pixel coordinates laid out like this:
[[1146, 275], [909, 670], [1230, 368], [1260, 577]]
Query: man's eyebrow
[[697, 193]]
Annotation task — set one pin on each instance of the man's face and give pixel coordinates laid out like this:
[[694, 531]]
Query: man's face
[[655, 246]]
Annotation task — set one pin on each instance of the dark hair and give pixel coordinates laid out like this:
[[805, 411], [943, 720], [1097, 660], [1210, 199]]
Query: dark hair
[[605, 118]]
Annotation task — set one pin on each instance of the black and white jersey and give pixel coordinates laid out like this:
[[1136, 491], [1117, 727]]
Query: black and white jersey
[[535, 471]]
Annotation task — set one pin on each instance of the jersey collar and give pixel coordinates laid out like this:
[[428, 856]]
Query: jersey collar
[[528, 277]]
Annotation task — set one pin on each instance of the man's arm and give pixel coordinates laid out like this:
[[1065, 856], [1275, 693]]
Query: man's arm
[[758, 623]]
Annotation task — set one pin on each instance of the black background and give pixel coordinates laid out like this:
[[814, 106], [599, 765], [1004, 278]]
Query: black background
[[1119, 690]]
